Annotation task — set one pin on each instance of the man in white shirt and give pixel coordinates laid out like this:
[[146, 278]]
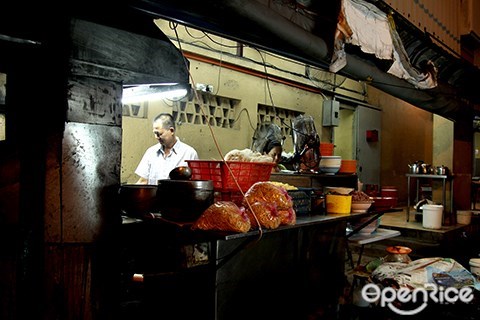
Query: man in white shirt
[[169, 153]]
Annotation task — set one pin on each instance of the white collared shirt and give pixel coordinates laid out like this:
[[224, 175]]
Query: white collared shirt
[[155, 166]]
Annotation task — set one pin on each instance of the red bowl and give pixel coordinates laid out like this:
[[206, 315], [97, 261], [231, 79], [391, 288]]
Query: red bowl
[[389, 191], [383, 203]]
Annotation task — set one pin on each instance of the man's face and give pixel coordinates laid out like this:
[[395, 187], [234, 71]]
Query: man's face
[[166, 137]]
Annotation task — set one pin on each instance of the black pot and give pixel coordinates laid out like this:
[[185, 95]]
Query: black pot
[[138, 199], [184, 200]]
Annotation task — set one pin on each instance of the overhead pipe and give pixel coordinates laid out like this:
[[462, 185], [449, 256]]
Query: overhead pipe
[[441, 100], [283, 28]]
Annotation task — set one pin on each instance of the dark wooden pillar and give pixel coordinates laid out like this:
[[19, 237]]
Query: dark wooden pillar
[[462, 163]]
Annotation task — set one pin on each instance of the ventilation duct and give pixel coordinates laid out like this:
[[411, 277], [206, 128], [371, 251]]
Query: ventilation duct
[[254, 23]]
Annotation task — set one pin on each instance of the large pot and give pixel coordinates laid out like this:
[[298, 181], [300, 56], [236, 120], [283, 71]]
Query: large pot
[[184, 200], [138, 199]]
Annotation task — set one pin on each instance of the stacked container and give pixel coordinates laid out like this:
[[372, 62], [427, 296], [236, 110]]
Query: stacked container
[[326, 149]]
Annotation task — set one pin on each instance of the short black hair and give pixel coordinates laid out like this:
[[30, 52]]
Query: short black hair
[[270, 145], [166, 119]]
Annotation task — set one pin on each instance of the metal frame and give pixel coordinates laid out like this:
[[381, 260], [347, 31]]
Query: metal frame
[[418, 177]]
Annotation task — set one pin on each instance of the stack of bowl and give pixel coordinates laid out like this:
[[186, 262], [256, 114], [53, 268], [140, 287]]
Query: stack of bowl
[[361, 202], [475, 267], [361, 206], [348, 166], [330, 164], [326, 149], [388, 198]]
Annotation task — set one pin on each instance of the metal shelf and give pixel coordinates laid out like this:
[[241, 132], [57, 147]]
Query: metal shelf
[[418, 177]]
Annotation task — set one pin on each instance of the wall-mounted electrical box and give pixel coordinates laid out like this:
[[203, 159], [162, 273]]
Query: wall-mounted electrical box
[[372, 135], [331, 113]]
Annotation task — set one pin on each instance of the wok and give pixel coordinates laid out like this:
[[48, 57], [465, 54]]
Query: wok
[[138, 199], [184, 200]]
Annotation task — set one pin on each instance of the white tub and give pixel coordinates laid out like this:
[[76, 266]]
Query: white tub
[[432, 216]]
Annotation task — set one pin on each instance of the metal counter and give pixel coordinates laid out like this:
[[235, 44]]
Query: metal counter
[[291, 272]]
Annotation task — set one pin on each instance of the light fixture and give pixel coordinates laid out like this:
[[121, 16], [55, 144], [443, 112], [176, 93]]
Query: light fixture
[[157, 91]]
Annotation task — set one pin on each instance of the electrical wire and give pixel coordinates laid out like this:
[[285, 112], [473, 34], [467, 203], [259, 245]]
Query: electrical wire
[[217, 146], [273, 105], [248, 117], [219, 72], [191, 35], [221, 44], [204, 45], [267, 82]]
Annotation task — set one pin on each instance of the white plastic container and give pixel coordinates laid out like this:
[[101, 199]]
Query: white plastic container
[[475, 267], [432, 216], [464, 216]]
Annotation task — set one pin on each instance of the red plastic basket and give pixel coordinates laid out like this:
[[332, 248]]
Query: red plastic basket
[[207, 170], [233, 196], [246, 173]]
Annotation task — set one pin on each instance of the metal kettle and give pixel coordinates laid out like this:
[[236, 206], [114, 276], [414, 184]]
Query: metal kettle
[[426, 168], [441, 170], [416, 167]]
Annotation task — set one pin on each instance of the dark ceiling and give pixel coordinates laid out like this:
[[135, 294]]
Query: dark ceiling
[[252, 23]]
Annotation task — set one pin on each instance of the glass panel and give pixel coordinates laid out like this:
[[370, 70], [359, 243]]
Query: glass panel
[[3, 94], [2, 127], [3, 87], [476, 158]]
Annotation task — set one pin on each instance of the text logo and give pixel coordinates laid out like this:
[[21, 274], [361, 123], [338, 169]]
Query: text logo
[[386, 296]]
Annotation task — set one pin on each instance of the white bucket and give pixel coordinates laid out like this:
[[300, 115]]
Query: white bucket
[[464, 216], [432, 216], [475, 267]]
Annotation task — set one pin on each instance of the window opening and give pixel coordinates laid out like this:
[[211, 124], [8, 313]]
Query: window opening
[[280, 116], [221, 111]]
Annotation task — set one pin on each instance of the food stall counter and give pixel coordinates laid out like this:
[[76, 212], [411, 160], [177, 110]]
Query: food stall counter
[[302, 264]]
